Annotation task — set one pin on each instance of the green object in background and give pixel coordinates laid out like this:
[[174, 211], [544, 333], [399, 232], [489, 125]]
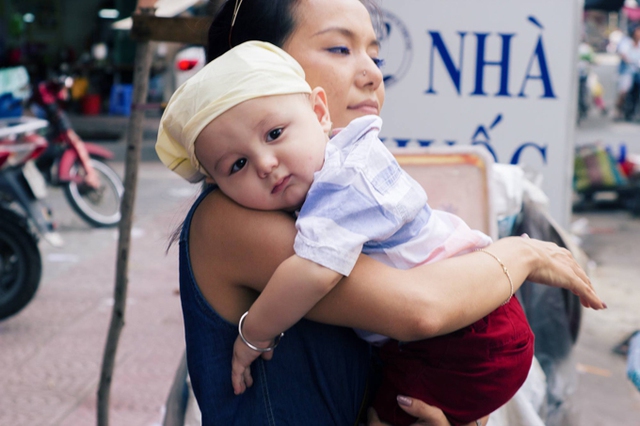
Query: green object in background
[[594, 167], [16, 25], [124, 50]]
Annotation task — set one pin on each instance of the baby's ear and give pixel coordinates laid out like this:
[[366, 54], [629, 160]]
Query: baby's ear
[[318, 98]]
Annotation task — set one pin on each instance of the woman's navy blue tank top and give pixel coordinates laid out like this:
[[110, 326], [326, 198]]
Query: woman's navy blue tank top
[[318, 374]]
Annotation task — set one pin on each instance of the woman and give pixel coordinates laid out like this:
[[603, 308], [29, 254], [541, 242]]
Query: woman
[[320, 374]]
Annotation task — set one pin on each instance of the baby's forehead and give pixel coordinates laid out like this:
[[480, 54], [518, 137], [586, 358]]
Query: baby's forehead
[[263, 107]]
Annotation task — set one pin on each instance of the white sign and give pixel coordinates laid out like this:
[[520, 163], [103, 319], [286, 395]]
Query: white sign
[[495, 73]]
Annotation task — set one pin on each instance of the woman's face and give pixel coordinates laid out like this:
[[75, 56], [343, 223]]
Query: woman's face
[[336, 45]]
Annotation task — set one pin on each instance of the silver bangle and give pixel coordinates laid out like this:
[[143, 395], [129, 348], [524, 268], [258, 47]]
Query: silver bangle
[[506, 272], [252, 346]]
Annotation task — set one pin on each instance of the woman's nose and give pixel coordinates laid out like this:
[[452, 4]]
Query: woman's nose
[[369, 75]]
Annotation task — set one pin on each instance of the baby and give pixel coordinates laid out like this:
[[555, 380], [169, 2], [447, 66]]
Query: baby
[[250, 123]]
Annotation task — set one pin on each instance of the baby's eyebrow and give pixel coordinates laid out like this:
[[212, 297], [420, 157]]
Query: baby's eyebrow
[[262, 123], [218, 163], [271, 119]]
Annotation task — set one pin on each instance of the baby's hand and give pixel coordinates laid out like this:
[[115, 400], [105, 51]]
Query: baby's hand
[[243, 356]]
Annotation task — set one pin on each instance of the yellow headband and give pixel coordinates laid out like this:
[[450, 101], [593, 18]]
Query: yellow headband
[[250, 70]]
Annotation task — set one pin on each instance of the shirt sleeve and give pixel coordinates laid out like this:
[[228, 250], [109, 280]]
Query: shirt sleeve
[[339, 216]]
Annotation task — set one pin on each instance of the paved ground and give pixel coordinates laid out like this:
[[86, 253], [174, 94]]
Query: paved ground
[[603, 395], [611, 238], [51, 352]]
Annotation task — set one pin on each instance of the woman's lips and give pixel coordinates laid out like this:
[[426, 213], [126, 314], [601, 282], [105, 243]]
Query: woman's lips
[[366, 107], [282, 183]]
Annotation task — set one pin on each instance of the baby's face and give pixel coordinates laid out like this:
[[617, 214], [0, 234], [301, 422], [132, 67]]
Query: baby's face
[[263, 152]]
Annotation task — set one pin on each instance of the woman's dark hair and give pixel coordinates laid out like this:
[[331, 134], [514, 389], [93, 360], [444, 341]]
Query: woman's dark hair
[[265, 20]]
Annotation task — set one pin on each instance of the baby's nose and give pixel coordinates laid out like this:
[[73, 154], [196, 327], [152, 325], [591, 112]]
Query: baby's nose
[[266, 164]]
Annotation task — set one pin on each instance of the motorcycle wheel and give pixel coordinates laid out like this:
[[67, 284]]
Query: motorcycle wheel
[[98, 207], [20, 264]]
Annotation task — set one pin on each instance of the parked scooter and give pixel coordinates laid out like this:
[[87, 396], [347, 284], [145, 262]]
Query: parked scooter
[[23, 217], [91, 187]]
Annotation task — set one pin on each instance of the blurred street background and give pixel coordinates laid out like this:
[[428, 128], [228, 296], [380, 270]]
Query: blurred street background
[[51, 351]]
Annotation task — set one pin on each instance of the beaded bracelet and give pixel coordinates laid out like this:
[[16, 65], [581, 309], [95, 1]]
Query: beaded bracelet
[[506, 272], [251, 345]]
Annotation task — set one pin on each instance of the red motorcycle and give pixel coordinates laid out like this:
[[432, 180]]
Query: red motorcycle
[[92, 188]]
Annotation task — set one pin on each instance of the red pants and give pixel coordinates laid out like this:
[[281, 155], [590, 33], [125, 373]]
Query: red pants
[[468, 373]]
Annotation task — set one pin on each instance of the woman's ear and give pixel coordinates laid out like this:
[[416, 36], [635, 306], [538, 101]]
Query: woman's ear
[[318, 98]]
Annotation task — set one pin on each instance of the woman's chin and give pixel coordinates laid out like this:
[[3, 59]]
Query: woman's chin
[[352, 114]]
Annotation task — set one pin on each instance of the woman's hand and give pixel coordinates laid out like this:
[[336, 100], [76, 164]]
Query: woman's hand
[[558, 268], [428, 415]]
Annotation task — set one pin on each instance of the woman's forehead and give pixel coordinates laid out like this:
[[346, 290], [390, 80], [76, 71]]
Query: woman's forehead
[[313, 16]]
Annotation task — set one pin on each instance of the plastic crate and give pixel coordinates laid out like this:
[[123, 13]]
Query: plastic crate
[[120, 99], [9, 106]]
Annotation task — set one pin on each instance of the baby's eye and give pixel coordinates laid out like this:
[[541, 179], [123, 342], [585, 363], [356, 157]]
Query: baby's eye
[[342, 50], [274, 134], [378, 61], [238, 165]]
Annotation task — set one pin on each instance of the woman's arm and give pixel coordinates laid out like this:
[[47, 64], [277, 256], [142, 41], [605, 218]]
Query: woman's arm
[[234, 252], [445, 296]]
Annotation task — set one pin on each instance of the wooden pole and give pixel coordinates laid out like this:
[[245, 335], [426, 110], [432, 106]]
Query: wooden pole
[[134, 143], [146, 27]]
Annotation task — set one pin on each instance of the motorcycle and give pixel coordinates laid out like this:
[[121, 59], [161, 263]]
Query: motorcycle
[[92, 188], [23, 216]]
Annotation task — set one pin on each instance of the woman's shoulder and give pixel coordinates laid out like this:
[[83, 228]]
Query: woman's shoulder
[[240, 245], [219, 216]]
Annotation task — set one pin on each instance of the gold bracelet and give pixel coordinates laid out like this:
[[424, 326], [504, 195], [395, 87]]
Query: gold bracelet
[[506, 272]]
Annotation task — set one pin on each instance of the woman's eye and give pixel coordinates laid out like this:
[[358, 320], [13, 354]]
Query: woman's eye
[[238, 165], [379, 62], [274, 134], [342, 50]]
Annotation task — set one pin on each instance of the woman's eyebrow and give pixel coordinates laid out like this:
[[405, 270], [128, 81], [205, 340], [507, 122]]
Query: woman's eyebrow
[[342, 30], [345, 32]]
